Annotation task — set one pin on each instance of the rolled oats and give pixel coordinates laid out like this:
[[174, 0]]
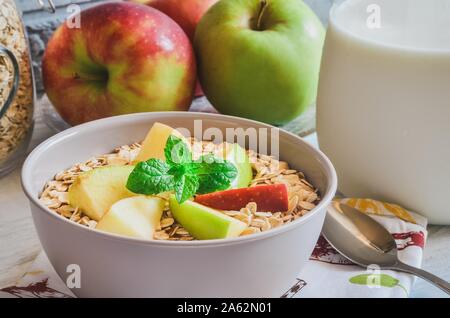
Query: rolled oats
[[293, 203], [306, 205], [16, 123], [275, 222], [182, 232], [266, 170], [161, 235], [266, 226], [166, 222], [251, 230], [173, 230]]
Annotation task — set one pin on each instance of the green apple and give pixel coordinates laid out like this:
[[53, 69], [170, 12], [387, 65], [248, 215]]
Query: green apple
[[204, 223], [136, 217], [95, 191], [260, 59], [237, 156]]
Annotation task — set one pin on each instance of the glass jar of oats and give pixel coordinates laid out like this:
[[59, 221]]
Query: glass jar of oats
[[16, 88]]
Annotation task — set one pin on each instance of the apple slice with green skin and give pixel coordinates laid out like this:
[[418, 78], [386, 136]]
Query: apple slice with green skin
[[238, 156], [204, 223], [95, 191], [135, 217], [155, 142]]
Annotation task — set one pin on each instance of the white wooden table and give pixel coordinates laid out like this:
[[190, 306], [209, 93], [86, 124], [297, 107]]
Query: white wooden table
[[19, 244]]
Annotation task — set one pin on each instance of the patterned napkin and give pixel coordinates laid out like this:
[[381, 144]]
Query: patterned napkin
[[327, 274]]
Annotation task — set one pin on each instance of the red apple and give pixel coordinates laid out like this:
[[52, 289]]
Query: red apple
[[187, 13], [124, 58]]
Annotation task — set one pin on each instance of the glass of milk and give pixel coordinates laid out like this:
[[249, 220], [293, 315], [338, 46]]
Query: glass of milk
[[383, 108]]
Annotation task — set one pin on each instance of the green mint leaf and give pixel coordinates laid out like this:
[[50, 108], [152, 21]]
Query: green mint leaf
[[181, 174], [186, 186], [177, 151], [215, 174], [212, 183], [150, 177]]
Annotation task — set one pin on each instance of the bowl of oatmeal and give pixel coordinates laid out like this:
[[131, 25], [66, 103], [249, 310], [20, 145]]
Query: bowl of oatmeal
[[177, 204]]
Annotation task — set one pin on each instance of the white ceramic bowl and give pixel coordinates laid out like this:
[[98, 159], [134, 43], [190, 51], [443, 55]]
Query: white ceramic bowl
[[260, 265]]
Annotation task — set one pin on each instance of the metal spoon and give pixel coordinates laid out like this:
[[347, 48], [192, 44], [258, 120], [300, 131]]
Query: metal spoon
[[366, 242]]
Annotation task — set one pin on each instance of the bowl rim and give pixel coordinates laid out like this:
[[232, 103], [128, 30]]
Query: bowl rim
[[71, 132]]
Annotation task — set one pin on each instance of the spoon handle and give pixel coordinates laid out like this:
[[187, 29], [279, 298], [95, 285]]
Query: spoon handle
[[438, 282]]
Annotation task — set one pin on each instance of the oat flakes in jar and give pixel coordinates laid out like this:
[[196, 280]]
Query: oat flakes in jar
[[16, 88]]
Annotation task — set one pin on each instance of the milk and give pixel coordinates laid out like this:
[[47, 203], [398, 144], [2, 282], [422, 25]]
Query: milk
[[410, 24], [383, 108]]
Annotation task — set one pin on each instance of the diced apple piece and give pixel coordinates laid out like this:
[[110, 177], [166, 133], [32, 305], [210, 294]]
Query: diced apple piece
[[204, 223], [135, 217], [238, 156], [270, 198], [95, 191], [155, 142]]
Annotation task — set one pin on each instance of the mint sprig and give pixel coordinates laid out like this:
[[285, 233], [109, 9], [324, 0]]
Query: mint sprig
[[151, 177], [215, 174], [180, 173], [177, 151]]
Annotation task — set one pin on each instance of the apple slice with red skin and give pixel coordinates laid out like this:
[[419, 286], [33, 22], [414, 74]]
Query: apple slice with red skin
[[268, 198]]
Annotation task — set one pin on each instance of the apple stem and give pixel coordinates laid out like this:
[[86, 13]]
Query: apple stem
[[262, 9]]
